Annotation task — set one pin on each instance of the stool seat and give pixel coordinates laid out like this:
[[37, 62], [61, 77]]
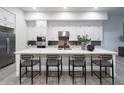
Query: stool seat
[[28, 63], [77, 63], [53, 62], [103, 63]]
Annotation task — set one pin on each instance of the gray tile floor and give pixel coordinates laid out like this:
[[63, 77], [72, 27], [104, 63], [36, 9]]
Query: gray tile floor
[[8, 77]]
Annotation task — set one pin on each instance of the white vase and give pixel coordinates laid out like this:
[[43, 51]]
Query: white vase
[[83, 46]]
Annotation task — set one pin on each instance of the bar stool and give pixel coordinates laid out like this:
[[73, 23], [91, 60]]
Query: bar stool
[[53, 61], [105, 61], [29, 61], [77, 61]]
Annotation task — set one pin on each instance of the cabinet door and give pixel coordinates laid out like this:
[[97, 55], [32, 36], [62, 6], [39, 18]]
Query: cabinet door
[[6, 24], [7, 16], [7, 19], [42, 26], [31, 33], [36, 28], [1, 14]]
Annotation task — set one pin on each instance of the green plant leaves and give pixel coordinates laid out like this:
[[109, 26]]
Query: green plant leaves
[[83, 39]]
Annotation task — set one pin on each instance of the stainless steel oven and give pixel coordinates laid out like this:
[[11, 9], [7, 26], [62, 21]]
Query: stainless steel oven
[[41, 42]]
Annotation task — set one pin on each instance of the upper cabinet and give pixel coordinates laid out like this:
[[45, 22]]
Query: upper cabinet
[[36, 28], [66, 16], [94, 29], [7, 18]]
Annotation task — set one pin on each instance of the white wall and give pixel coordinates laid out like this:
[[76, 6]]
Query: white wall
[[113, 29], [36, 28], [66, 15], [92, 28], [21, 33]]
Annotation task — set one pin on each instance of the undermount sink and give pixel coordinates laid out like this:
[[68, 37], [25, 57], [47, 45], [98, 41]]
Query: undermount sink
[[68, 49], [64, 49]]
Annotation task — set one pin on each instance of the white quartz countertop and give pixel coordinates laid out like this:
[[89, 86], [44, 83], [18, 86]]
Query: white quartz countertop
[[57, 51]]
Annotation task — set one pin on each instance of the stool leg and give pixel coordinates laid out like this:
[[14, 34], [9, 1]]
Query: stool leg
[[112, 73], [91, 67], [73, 74], [100, 74], [85, 74], [58, 74], [20, 75], [61, 65], [82, 71], [61, 68], [69, 67], [40, 65], [32, 74], [105, 71], [26, 70], [47, 73]]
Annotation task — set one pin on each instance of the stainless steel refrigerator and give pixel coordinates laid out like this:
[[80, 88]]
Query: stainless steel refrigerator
[[7, 46]]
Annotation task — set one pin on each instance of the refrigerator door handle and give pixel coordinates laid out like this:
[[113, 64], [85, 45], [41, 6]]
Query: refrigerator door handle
[[8, 45]]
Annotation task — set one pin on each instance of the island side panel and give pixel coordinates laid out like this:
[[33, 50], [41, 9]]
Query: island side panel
[[17, 63], [114, 63]]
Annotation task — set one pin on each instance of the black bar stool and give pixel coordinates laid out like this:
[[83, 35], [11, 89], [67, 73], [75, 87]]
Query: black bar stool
[[105, 61], [53, 61], [29, 61], [77, 61]]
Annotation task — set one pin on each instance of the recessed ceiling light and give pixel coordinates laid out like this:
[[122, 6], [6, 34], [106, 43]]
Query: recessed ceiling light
[[64, 7], [34, 8], [96, 7]]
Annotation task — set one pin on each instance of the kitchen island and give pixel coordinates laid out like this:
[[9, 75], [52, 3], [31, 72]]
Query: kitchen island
[[45, 51]]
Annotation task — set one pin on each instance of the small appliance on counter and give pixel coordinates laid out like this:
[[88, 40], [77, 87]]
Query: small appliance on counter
[[41, 42], [121, 51], [90, 47], [31, 43], [63, 37]]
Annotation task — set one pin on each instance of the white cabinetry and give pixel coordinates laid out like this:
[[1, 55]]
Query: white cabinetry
[[7, 18], [36, 28], [41, 25], [95, 33], [94, 29]]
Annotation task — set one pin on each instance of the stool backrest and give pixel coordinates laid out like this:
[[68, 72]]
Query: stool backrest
[[53, 57], [26, 57], [78, 57], [106, 57]]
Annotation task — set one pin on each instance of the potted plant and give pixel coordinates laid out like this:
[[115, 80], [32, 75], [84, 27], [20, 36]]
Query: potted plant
[[83, 41]]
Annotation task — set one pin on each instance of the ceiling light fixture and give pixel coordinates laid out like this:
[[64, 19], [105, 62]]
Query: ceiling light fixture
[[34, 8], [64, 7], [96, 7]]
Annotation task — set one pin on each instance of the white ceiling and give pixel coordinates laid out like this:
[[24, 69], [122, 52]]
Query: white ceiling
[[118, 10]]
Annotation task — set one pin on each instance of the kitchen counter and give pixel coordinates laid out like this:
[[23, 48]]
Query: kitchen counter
[[62, 51], [44, 51]]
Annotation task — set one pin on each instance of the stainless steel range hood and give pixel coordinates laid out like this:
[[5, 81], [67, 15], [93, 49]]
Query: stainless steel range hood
[[63, 37], [63, 34]]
